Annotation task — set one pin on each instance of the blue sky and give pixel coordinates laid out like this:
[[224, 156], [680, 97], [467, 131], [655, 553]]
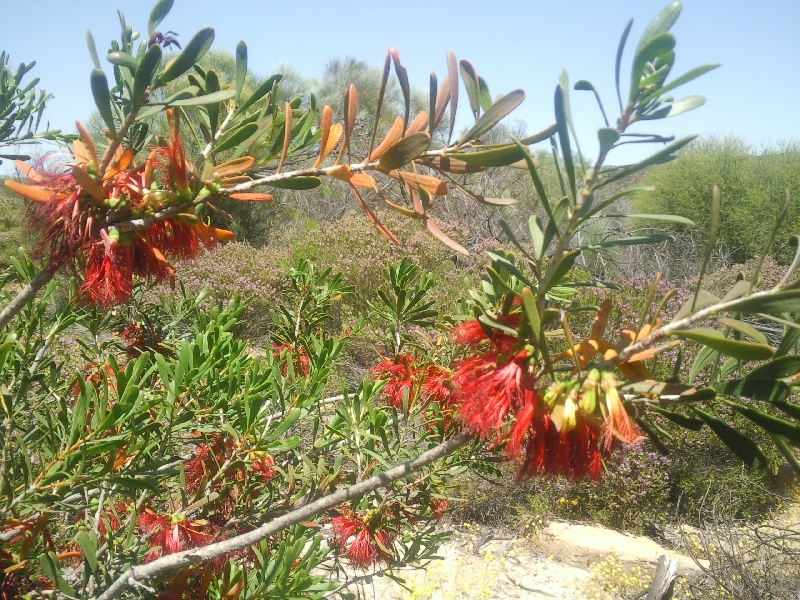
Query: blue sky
[[511, 43]]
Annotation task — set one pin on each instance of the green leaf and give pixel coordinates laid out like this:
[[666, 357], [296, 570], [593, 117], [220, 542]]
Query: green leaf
[[160, 10], [496, 157], [677, 418], [776, 302], [742, 446], [470, 79], [123, 59], [667, 218], [92, 49], [662, 23], [735, 348], [532, 312], [452, 75], [260, 91], [241, 67], [632, 241], [790, 408], [745, 329], [768, 390], [212, 98], [679, 81], [144, 74], [537, 236], [785, 366], [656, 46], [618, 63], [563, 267], [563, 137], [607, 136], [704, 299], [537, 181], [235, 138], [493, 116], [403, 152], [701, 361], [49, 563], [89, 548], [192, 52], [661, 388], [769, 423], [787, 452], [658, 157], [541, 136], [685, 104], [485, 96], [296, 183], [102, 98]]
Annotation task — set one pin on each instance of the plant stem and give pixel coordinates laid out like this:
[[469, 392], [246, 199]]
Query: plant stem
[[26, 294]]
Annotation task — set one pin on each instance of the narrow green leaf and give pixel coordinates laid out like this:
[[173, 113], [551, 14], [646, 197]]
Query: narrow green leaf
[[452, 74], [790, 408], [144, 74], [496, 157], [470, 79], [563, 138], [704, 358], [662, 23], [241, 67], [785, 366], [485, 96], [769, 423], [745, 329], [704, 299], [235, 138], [631, 241], [685, 104], [561, 270], [92, 49], [618, 62], [493, 116], [651, 160], [403, 152], [89, 549], [537, 182], [213, 98], [160, 10], [541, 136], [537, 236], [667, 218], [588, 86], [742, 446], [677, 418], [102, 98], [657, 45], [296, 183], [787, 452], [776, 302], [735, 348], [260, 91], [768, 390], [123, 59], [192, 52], [529, 305], [679, 81]]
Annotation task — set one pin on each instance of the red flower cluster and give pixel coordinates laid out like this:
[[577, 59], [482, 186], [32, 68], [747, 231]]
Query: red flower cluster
[[74, 214], [207, 461], [368, 543], [498, 399], [404, 376], [298, 356]]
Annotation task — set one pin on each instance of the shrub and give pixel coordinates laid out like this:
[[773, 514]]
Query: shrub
[[751, 183]]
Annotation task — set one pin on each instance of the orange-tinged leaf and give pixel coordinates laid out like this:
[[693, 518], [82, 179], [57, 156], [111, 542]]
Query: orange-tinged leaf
[[452, 73], [222, 235], [340, 172], [252, 197], [362, 180], [29, 172], [419, 123], [634, 371], [442, 237], [352, 109], [394, 135], [442, 99], [406, 212], [404, 151], [236, 180], [30, 192], [643, 355], [87, 139], [337, 131], [89, 184], [287, 137], [237, 165], [325, 129], [374, 219], [80, 152], [432, 185]]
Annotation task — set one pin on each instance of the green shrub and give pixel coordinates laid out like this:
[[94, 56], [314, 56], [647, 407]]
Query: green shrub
[[751, 183]]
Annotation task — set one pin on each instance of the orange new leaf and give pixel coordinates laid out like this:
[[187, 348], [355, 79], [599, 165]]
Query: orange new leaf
[[432, 185], [30, 192], [393, 136], [252, 197]]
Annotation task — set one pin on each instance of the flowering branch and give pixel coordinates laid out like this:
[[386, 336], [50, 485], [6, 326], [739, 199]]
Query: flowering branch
[[141, 573]]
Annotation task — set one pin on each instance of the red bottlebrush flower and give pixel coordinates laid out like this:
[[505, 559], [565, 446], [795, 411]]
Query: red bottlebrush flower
[[472, 333], [170, 533], [298, 356], [617, 423], [370, 544], [108, 276], [401, 377], [94, 374], [12, 584], [207, 461], [264, 464], [439, 507]]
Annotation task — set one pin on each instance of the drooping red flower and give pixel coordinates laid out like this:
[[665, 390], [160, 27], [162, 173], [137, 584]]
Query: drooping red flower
[[298, 356], [439, 507], [362, 539], [171, 533], [94, 374], [206, 462]]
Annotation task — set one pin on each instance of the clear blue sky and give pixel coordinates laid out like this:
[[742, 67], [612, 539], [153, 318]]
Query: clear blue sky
[[522, 43]]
